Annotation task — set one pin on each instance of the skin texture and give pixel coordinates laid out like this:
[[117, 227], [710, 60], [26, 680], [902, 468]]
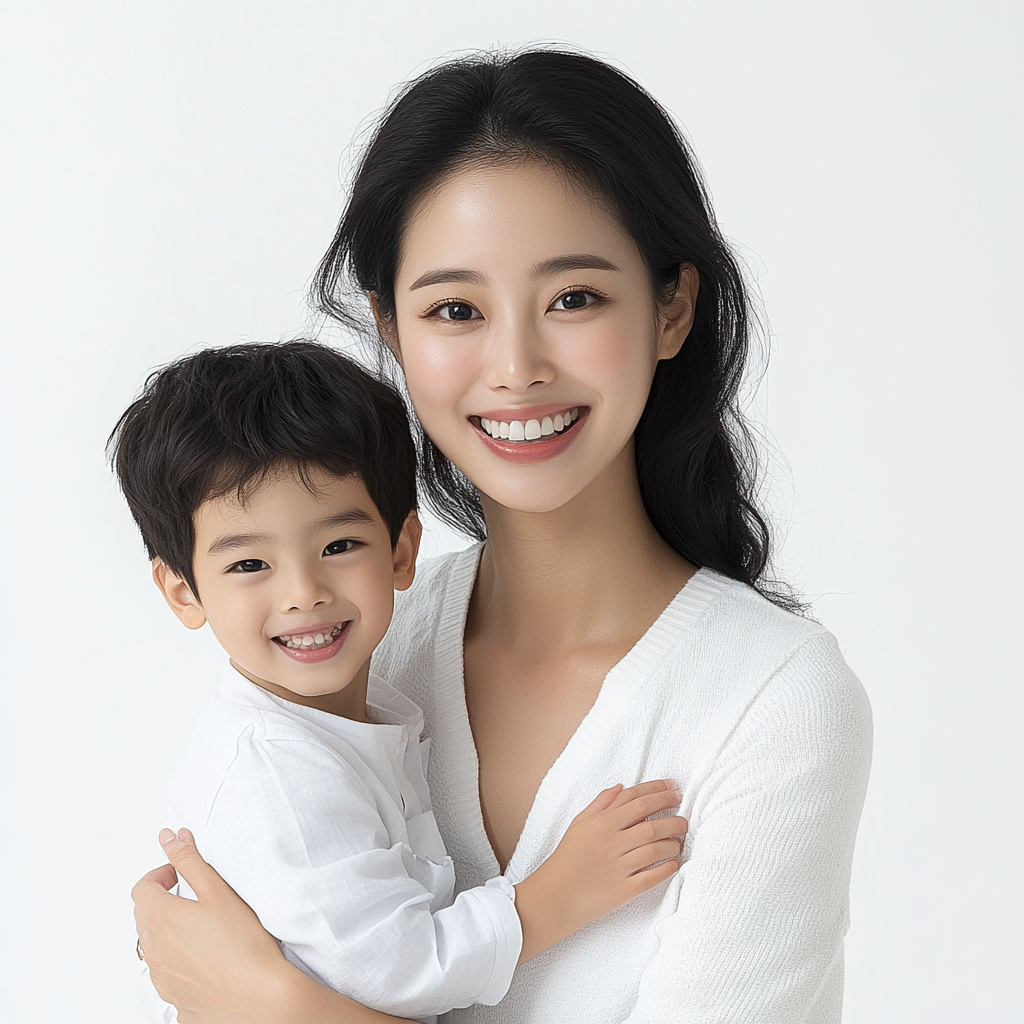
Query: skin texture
[[573, 572]]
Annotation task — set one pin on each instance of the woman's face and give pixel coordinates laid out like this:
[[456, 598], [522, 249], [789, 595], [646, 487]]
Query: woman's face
[[527, 329]]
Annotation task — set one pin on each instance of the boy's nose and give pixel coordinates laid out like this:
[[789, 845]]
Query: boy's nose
[[303, 591]]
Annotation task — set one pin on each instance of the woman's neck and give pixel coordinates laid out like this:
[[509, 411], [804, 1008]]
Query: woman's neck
[[591, 571]]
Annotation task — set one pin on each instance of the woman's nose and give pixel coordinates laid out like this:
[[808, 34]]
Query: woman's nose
[[517, 357]]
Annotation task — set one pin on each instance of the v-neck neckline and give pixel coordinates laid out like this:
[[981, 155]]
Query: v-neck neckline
[[614, 697]]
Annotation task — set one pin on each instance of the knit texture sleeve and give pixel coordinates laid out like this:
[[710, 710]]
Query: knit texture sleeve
[[763, 902]]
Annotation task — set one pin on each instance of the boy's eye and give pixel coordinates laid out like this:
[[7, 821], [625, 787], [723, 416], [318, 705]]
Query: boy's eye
[[249, 565], [339, 547]]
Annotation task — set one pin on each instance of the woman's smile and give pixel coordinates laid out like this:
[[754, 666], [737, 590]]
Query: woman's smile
[[529, 439]]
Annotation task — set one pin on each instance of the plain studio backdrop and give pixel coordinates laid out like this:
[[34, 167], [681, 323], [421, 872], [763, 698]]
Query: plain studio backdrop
[[172, 173]]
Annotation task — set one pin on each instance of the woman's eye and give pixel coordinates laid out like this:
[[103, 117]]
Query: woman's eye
[[574, 300], [249, 565], [460, 311], [339, 547]]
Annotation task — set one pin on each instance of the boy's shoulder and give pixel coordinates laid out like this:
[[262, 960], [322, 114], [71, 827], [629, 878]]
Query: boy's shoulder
[[243, 736], [236, 722]]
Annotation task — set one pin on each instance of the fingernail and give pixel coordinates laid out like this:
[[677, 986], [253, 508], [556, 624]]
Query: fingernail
[[186, 837], [167, 837]]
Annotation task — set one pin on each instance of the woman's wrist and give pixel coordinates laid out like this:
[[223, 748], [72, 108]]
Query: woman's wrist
[[298, 999]]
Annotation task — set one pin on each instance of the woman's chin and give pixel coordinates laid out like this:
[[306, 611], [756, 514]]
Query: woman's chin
[[530, 497]]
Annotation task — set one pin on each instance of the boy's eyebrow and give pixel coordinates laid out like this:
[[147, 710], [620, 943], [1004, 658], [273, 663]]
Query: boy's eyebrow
[[228, 541], [345, 517]]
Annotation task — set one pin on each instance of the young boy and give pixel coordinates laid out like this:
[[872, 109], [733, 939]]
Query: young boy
[[274, 486]]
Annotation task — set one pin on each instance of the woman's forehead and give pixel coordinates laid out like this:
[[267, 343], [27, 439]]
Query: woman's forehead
[[522, 213]]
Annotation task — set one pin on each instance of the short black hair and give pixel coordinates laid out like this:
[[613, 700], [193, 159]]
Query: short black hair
[[222, 420]]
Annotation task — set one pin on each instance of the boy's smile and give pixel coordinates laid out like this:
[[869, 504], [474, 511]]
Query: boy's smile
[[316, 643], [297, 583]]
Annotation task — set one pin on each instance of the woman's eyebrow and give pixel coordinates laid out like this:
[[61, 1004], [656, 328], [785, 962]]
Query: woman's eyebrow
[[572, 261], [447, 275]]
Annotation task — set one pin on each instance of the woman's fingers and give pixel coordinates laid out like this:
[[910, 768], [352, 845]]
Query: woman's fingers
[[157, 881], [181, 851]]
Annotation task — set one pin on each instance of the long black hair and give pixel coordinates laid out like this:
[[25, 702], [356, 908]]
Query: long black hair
[[695, 459]]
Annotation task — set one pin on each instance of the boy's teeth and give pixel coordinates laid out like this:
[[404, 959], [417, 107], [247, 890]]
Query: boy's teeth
[[529, 430], [312, 639]]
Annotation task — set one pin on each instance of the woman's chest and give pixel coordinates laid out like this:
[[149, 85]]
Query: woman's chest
[[523, 712]]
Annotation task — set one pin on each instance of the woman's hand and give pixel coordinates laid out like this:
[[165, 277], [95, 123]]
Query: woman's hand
[[213, 960]]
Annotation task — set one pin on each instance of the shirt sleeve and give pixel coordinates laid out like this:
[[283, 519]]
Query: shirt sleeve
[[297, 834], [763, 897]]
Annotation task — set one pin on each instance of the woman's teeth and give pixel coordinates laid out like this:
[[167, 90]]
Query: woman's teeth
[[311, 641], [529, 430]]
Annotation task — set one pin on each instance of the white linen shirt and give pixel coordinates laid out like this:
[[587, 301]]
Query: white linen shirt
[[324, 827]]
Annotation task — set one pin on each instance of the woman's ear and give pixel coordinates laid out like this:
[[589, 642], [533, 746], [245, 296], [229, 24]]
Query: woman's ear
[[677, 317], [178, 594], [387, 329], [406, 549]]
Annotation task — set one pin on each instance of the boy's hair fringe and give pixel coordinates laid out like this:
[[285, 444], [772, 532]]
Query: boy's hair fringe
[[222, 420]]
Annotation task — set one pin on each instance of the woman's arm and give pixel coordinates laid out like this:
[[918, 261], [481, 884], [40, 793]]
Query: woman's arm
[[211, 958], [763, 895]]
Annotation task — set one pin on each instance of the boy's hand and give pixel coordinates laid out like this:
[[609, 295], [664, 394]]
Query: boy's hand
[[599, 864]]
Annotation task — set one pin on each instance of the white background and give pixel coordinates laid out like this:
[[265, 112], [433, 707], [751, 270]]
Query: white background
[[172, 173]]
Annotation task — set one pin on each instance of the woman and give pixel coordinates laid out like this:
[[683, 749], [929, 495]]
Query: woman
[[541, 259]]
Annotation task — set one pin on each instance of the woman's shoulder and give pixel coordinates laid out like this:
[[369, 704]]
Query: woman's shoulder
[[735, 646], [429, 615]]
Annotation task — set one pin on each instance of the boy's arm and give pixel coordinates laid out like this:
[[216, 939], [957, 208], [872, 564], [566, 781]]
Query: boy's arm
[[609, 855], [211, 958], [297, 835]]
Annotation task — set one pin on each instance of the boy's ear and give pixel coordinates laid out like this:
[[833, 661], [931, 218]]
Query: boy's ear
[[678, 318], [406, 550], [387, 329], [178, 594]]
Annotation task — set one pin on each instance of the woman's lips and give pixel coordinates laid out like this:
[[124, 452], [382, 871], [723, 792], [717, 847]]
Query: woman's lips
[[526, 426], [532, 448]]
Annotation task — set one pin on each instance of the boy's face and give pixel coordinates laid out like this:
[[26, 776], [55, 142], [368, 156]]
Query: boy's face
[[298, 586]]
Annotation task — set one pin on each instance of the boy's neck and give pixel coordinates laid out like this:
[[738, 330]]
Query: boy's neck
[[347, 702]]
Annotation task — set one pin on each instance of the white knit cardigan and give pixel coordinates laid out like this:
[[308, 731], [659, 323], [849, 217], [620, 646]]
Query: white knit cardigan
[[754, 712]]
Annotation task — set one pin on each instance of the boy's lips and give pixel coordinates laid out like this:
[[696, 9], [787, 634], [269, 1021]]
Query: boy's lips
[[312, 641]]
